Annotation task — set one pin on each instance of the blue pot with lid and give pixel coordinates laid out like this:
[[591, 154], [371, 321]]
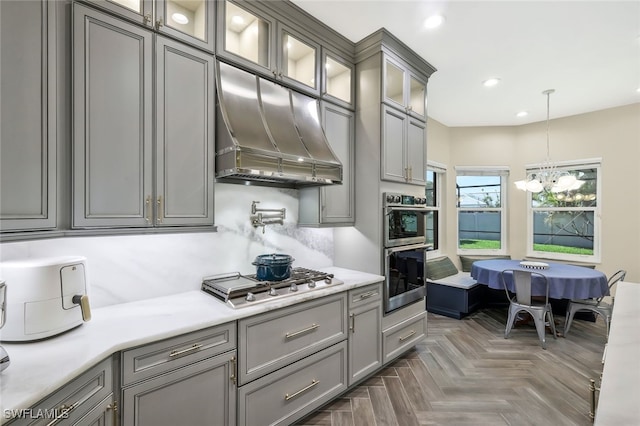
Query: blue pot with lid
[[273, 267]]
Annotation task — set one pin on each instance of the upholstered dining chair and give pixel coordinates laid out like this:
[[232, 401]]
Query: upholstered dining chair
[[521, 301], [597, 306]]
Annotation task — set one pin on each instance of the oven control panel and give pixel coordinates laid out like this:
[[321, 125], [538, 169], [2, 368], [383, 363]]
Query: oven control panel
[[394, 199]]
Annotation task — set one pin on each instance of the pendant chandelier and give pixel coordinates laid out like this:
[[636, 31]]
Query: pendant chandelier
[[548, 177]]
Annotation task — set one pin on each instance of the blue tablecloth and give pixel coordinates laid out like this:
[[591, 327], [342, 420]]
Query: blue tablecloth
[[565, 281]]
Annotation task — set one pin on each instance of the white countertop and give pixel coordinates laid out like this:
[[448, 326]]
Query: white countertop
[[39, 368], [619, 400]]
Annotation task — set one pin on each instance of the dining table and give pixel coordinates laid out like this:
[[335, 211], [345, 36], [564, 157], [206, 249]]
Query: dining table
[[565, 281]]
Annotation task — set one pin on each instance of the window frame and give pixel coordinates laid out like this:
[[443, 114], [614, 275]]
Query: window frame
[[439, 171], [593, 163], [503, 173]]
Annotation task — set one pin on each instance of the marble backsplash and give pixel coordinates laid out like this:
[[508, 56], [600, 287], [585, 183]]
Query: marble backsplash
[[126, 268]]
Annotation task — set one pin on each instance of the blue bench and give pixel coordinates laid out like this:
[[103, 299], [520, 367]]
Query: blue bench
[[450, 292]]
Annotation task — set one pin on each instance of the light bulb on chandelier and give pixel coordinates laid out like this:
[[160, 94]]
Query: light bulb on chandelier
[[548, 177]]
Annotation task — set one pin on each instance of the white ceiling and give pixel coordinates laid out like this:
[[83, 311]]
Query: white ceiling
[[588, 51]]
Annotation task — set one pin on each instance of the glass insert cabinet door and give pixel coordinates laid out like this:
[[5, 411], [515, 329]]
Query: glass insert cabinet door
[[338, 79], [246, 35], [186, 16], [188, 20], [394, 83], [299, 60], [417, 96]]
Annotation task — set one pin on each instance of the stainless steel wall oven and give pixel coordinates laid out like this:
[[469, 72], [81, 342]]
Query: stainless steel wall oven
[[405, 226]]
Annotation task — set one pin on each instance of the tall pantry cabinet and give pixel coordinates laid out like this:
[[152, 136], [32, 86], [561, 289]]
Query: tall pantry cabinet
[[126, 172]]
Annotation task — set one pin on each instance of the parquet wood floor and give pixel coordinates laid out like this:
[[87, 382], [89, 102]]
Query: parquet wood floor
[[466, 373]]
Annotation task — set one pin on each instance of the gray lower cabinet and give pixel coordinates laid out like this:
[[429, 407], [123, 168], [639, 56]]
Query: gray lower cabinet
[[403, 147], [365, 331], [28, 125], [122, 175], [86, 400], [202, 393], [185, 380], [291, 361], [275, 339], [333, 205], [282, 397], [399, 337]]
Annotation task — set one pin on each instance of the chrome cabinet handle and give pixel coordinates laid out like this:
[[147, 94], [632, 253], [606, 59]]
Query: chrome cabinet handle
[[232, 377], [160, 209], [64, 411], [403, 338], [287, 396], [353, 323], [192, 348], [368, 295], [305, 330], [114, 406], [159, 23], [147, 18], [147, 203]]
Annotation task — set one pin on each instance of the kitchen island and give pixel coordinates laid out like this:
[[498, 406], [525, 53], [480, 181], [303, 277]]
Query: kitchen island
[[40, 368], [619, 394]]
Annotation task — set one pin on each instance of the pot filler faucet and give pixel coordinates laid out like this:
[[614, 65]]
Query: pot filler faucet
[[263, 217]]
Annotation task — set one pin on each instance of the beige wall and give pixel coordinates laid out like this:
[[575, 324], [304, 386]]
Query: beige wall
[[612, 135]]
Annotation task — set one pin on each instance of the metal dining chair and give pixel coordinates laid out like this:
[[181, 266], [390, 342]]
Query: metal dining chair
[[597, 306], [520, 300]]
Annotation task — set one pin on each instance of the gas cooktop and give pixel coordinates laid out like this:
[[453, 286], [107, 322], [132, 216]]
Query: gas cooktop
[[239, 290]]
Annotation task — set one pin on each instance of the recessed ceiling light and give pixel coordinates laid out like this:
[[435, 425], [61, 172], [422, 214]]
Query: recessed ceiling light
[[433, 21], [180, 18], [638, 90], [237, 19], [491, 82], [522, 114]]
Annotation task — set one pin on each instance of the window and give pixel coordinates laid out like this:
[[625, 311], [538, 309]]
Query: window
[[566, 225], [434, 178], [481, 201]]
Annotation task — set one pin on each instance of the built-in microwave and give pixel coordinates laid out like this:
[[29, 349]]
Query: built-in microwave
[[405, 220]]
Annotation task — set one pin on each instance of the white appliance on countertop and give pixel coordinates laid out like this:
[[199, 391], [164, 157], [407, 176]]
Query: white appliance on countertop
[[44, 297]]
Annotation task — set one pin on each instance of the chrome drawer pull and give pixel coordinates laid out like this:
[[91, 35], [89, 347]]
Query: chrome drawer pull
[[64, 411], [408, 335], [195, 347], [306, 330], [368, 295], [287, 397]]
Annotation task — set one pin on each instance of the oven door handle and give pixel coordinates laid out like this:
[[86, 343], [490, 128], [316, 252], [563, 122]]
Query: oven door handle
[[407, 208]]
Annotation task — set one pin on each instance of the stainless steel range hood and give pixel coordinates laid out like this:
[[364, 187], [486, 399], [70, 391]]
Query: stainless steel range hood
[[269, 134]]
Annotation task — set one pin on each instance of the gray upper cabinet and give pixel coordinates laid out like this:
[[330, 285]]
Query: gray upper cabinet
[[122, 176], [298, 60], [190, 21], [333, 205], [245, 36], [112, 148], [255, 39], [404, 141], [27, 105], [337, 79], [404, 89], [184, 135]]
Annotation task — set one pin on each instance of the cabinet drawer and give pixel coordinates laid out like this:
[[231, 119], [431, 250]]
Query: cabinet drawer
[[282, 397], [400, 337], [364, 295], [74, 400], [156, 358], [275, 339]]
